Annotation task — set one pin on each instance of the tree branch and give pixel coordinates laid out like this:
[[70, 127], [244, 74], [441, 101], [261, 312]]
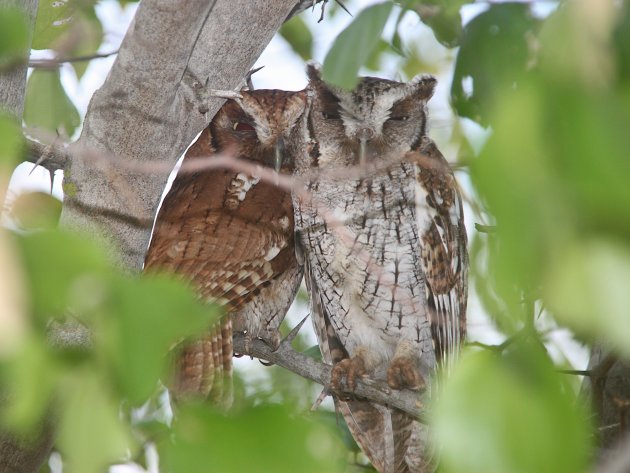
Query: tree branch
[[56, 62], [50, 156], [307, 367]]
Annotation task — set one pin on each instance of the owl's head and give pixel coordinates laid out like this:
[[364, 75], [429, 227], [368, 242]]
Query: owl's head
[[259, 125], [379, 118]]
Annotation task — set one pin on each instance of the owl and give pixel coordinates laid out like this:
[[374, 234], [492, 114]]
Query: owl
[[231, 236], [381, 232]]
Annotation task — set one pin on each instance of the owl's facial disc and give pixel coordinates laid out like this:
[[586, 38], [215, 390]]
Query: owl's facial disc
[[380, 117]]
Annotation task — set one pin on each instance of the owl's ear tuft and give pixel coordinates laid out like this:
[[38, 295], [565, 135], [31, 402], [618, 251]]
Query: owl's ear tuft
[[424, 86], [313, 72]]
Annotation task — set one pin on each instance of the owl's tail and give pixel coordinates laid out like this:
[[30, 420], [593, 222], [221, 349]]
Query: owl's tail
[[204, 367], [392, 440]]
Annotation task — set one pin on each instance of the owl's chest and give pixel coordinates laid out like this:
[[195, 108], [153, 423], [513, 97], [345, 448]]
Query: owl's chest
[[364, 251], [375, 215]]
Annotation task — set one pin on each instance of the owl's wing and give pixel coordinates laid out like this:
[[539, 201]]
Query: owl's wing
[[387, 436], [228, 256], [444, 256]]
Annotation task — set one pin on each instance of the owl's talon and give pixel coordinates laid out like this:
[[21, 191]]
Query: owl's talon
[[350, 369], [403, 373], [272, 338]]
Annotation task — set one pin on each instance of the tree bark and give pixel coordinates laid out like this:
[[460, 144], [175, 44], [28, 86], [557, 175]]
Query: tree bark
[[13, 81], [608, 387]]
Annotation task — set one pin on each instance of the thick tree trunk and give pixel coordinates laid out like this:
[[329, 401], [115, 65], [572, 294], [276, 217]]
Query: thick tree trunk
[[150, 108], [13, 82]]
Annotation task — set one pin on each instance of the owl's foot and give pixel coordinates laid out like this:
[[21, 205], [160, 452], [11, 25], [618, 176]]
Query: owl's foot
[[272, 337], [403, 373], [350, 369]]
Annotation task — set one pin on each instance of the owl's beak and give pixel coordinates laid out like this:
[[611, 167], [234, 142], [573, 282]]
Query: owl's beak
[[280, 149], [362, 151], [365, 135]]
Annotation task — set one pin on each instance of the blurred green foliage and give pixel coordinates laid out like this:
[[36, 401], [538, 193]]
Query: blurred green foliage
[[443, 17], [510, 413], [83, 38], [47, 106], [54, 17], [494, 54], [36, 211], [270, 439], [71, 29], [11, 142], [298, 36], [13, 37], [354, 46]]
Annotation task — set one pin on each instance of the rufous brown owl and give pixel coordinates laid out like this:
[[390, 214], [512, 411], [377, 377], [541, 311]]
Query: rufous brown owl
[[231, 235], [382, 234]]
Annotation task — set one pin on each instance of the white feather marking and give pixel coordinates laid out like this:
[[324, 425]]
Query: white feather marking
[[272, 253], [247, 183]]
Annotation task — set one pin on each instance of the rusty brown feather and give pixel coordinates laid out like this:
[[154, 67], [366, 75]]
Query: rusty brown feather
[[231, 236]]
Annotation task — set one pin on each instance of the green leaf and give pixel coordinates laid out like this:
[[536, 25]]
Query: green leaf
[[11, 141], [515, 161], [444, 19], [86, 35], [31, 376], [339, 425], [145, 318], [265, 439], [510, 414], [91, 433], [493, 55], [314, 352], [13, 37], [64, 270], [587, 289], [53, 19], [374, 61], [297, 34], [47, 105], [36, 211], [354, 45]]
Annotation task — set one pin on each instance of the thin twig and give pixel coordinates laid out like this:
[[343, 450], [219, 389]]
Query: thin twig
[[485, 228], [56, 62]]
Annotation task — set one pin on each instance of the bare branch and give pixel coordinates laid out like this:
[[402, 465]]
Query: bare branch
[[56, 62], [407, 401], [485, 228], [50, 156]]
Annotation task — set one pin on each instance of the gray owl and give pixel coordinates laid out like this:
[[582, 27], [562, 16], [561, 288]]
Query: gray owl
[[384, 245]]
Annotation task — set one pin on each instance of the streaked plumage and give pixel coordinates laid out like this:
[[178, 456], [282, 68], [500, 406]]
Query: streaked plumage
[[385, 252]]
